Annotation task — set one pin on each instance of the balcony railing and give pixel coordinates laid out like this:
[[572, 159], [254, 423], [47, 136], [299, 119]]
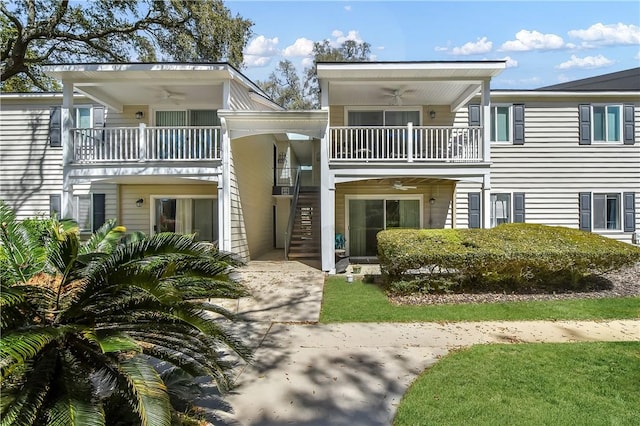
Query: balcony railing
[[406, 144], [109, 144]]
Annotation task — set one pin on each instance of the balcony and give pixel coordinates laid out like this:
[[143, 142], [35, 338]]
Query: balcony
[[406, 144], [154, 144]]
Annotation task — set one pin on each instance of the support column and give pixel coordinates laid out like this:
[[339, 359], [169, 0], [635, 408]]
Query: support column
[[224, 191], [66, 118], [485, 220], [486, 120]]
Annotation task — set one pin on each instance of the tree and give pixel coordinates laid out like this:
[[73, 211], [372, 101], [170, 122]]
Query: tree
[[285, 88], [35, 32], [84, 324], [283, 84]]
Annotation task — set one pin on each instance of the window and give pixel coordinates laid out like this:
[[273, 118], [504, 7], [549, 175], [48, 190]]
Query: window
[[607, 122], [82, 118], [179, 118], [606, 211], [383, 118], [500, 123], [500, 209]]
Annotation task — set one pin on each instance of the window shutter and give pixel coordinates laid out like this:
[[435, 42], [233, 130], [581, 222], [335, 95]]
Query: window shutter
[[629, 125], [584, 119], [98, 116], [55, 127], [55, 205], [98, 211], [585, 211], [629, 209], [474, 115], [518, 207], [474, 210], [518, 124]]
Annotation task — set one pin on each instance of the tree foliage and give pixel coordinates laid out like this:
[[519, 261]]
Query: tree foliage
[[57, 31], [284, 85], [111, 330]]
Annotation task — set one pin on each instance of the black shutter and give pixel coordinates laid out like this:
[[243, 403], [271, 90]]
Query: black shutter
[[518, 124], [98, 211], [585, 211], [584, 118], [55, 127], [474, 210], [518, 207], [629, 125], [55, 205], [474, 115], [629, 209]]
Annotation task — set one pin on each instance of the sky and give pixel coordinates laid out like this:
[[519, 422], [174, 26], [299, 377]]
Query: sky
[[543, 42]]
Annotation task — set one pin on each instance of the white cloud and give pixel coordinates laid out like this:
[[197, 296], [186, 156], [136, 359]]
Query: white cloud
[[601, 34], [260, 51], [533, 40], [307, 62], [301, 47], [347, 8], [339, 37], [511, 63], [441, 49], [588, 62], [481, 46]]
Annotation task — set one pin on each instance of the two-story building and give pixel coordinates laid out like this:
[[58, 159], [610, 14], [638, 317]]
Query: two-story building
[[199, 148]]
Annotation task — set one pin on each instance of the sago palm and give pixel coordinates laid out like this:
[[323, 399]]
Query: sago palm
[[86, 327]]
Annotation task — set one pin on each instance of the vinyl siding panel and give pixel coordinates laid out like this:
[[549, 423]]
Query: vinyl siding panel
[[462, 202], [139, 218], [252, 202], [336, 115], [30, 170], [552, 168]]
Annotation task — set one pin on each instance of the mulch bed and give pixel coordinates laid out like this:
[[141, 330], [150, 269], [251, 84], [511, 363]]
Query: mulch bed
[[622, 283]]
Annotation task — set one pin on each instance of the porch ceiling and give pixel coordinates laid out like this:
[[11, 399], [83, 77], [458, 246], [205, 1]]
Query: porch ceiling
[[416, 83], [160, 85]]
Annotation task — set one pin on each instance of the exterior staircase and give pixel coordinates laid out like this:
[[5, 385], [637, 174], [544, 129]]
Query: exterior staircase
[[305, 234]]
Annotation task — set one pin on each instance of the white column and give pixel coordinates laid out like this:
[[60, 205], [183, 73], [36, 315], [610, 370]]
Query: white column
[[486, 120], [328, 221], [224, 190], [410, 142], [485, 220], [142, 141], [66, 122]]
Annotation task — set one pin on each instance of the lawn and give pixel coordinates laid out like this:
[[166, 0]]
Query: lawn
[[360, 302], [529, 384]]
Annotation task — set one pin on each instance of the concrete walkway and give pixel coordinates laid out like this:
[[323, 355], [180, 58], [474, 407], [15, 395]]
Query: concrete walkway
[[306, 373]]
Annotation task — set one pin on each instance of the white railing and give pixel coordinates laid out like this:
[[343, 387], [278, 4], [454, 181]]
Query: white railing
[[107, 144], [406, 144]]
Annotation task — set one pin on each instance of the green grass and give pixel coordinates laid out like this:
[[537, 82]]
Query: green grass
[[360, 302], [529, 384]]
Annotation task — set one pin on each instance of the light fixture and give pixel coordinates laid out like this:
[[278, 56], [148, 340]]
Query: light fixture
[[432, 201], [139, 115], [432, 114], [139, 202]]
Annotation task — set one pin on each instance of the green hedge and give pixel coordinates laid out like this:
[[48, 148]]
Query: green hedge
[[510, 255]]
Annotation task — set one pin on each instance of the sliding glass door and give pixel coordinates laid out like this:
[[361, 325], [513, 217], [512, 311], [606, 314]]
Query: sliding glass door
[[367, 217], [197, 216]]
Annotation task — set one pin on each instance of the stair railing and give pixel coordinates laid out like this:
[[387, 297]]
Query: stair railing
[[292, 215]]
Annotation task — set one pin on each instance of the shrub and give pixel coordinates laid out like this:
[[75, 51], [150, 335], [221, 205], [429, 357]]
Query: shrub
[[508, 256]]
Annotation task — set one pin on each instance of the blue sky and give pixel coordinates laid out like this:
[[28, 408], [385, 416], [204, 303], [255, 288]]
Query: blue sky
[[544, 42]]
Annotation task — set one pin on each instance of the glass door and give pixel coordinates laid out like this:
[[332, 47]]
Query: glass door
[[197, 216], [368, 217]]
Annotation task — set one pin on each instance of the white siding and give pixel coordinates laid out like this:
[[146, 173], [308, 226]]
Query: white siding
[[551, 168], [30, 170], [252, 202]]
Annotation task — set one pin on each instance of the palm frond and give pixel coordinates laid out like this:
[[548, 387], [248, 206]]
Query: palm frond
[[105, 239], [147, 391], [31, 394], [10, 296]]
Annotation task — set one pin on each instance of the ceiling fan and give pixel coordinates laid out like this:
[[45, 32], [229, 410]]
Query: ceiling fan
[[399, 186], [396, 95], [166, 95]]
